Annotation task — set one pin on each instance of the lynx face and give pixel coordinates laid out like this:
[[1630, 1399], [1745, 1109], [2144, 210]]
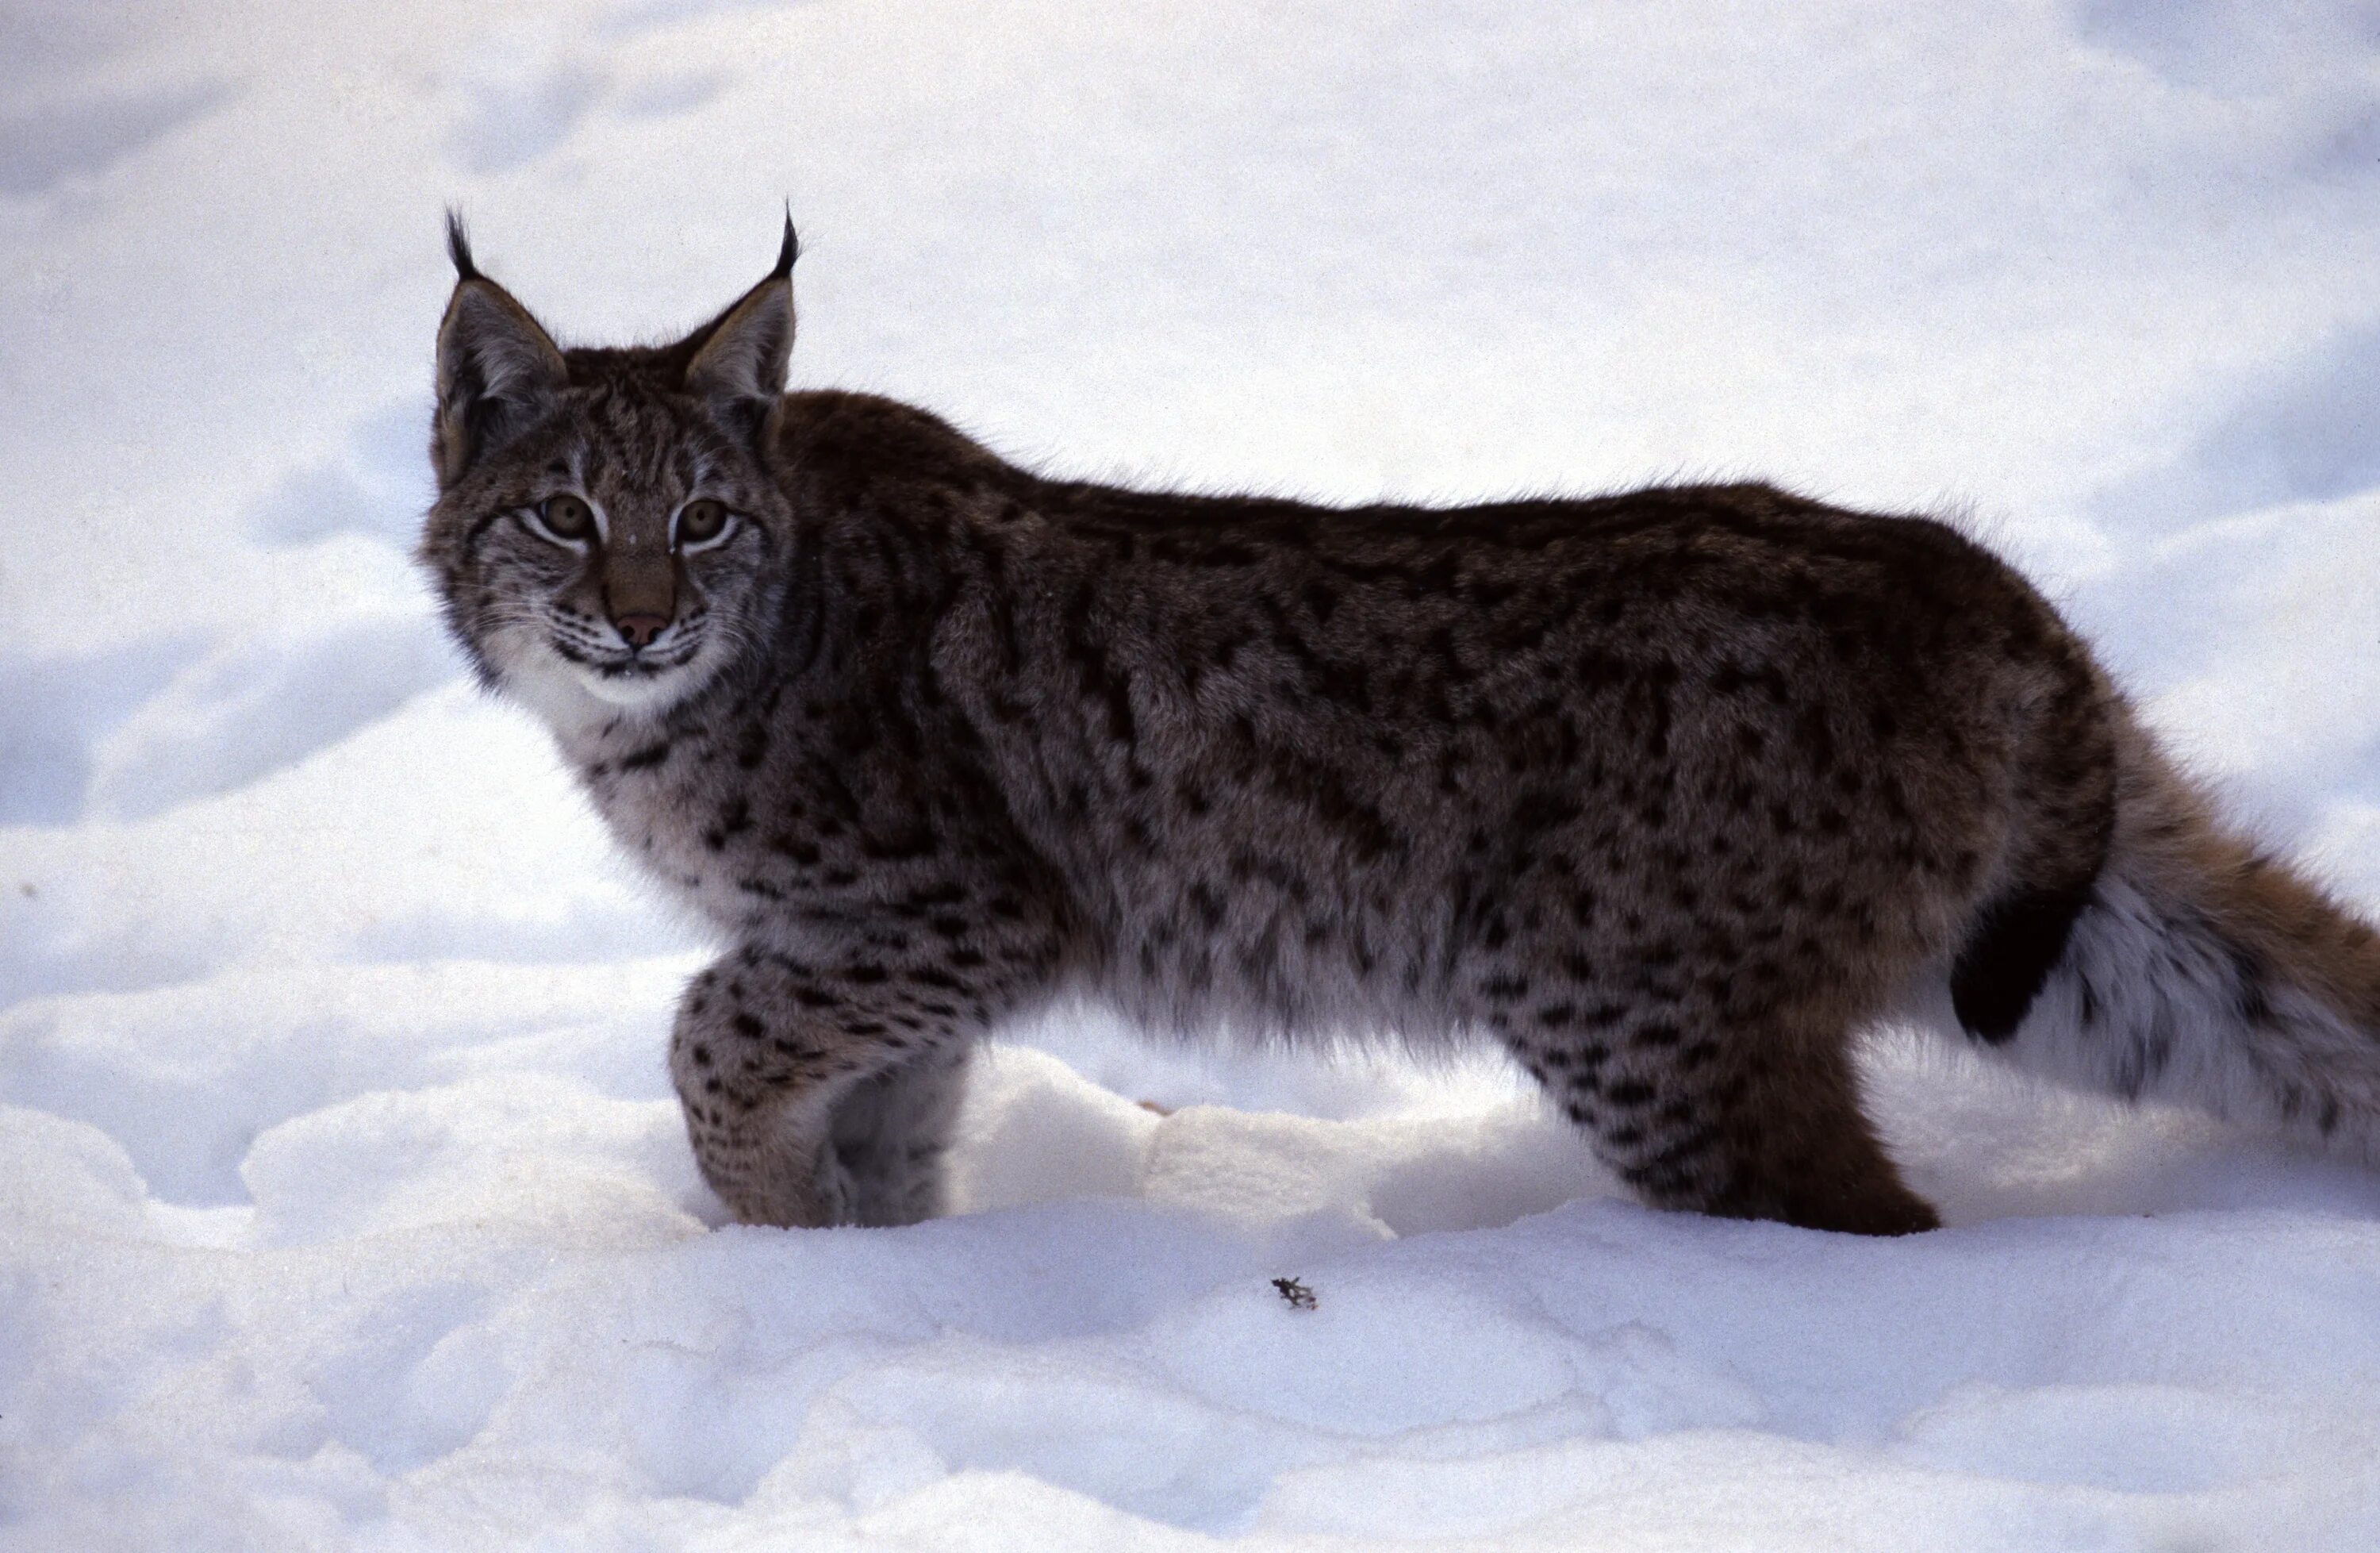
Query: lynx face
[[607, 524], [582, 568]]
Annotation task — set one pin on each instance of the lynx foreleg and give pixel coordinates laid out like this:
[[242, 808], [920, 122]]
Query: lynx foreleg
[[819, 1095], [889, 1134]]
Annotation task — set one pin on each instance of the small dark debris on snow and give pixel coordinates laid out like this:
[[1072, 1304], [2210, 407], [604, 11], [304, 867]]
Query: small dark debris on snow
[[1297, 1294]]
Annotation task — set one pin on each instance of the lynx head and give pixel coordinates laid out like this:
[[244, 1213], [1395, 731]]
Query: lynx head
[[608, 530]]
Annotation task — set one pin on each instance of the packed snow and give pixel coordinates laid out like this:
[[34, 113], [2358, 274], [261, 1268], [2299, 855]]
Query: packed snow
[[343, 1199]]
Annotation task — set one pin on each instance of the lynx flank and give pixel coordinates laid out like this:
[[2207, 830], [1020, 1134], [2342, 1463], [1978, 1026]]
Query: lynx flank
[[1669, 794]]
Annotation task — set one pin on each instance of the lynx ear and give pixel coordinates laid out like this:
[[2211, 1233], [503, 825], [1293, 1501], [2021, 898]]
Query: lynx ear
[[498, 370], [738, 365]]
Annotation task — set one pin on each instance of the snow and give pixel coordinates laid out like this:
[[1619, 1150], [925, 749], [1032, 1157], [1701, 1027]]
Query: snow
[[343, 1201]]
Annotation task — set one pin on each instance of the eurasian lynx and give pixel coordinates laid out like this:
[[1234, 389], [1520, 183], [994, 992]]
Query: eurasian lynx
[[1669, 793]]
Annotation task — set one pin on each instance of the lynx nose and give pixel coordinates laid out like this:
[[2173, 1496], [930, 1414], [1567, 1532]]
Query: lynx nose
[[638, 630]]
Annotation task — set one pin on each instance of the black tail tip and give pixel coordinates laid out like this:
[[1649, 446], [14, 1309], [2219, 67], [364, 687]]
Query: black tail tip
[[789, 251], [459, 245]]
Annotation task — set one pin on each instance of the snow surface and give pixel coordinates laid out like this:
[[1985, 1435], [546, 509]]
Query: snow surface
[[343, 1202]]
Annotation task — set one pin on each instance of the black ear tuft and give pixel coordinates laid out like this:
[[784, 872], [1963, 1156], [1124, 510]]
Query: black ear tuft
[[789, 251], [459, 245]]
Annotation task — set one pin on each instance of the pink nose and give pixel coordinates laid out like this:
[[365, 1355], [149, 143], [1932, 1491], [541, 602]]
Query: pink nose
[[638, 630]]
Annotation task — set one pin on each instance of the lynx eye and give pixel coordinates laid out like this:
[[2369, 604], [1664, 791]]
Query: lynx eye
[[698, 523], [566, 518]]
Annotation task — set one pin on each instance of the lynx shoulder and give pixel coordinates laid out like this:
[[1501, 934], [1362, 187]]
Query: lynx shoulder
[[1670, 794]]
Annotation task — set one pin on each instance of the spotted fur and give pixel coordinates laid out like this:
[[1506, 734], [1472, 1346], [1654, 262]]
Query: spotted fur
[[1669, 793]]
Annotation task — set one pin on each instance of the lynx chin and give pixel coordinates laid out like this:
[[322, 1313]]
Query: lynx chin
[[1668, 794]]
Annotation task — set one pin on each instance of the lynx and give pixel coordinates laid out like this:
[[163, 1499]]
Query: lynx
[[1668, 794]]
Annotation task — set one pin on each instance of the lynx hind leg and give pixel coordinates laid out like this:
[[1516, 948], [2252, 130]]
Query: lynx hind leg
[[1760, 1119], [889, 1134], [766, 1054]]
